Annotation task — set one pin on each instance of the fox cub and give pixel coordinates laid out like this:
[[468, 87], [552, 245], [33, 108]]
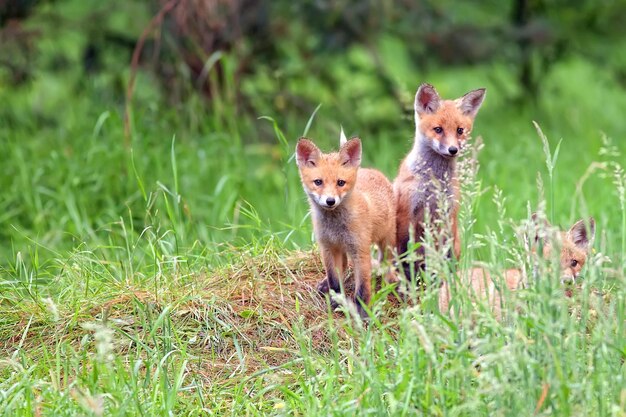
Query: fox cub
[[351, 208], [441, 129], [574, 244]]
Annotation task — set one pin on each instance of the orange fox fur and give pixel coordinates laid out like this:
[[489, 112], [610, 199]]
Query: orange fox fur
[[351, 208], [441, 129], [575, 246]]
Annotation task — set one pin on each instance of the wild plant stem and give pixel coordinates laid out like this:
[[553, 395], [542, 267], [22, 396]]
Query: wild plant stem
[[623, 239]]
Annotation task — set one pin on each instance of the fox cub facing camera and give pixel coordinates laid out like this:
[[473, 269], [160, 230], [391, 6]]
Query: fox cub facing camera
[[441, 129], [351, 208]]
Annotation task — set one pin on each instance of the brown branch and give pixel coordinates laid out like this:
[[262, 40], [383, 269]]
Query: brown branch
[[156, 21]]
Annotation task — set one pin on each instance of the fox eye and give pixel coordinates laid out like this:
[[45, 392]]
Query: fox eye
[[438, 129], [341, 183], [318, 182], [573, 263], [459, 130]]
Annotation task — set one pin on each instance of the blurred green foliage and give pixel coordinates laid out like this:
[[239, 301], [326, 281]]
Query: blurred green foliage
[[211, 69]]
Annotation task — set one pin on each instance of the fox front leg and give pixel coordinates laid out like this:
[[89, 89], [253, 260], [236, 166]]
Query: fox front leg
[[362, 281], [335, 266]]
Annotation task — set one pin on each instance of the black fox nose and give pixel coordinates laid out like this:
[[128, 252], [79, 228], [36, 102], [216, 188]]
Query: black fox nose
[[330, 201], [453, 150]]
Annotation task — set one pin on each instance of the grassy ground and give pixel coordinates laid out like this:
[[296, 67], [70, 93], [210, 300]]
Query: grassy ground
[[173, 273]]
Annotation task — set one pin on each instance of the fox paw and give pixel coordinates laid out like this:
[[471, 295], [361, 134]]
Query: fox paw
[[362, 313], [323, 287], [391, 276]]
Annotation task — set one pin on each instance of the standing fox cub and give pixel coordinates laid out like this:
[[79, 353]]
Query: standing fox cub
[[351, 208], [441, 129], [575, 245]]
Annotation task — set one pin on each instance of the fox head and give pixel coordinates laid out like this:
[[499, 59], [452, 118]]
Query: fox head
[[575, 245], [445, 125], [328, 178]]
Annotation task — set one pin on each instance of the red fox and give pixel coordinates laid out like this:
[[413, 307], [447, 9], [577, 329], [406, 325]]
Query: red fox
[[575, 245], [441, 129], [351, 208]]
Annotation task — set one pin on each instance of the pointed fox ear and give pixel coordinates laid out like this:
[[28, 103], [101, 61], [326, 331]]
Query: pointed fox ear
[[582, 235], [427, 99], [350, 153], [470, 103], [307, 154]]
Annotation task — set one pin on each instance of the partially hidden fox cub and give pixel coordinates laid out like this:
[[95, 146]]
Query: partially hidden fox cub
[[351, 208], [441, 129], [575, 246]]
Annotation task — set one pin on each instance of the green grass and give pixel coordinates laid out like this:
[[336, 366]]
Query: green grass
[[175, 275]]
